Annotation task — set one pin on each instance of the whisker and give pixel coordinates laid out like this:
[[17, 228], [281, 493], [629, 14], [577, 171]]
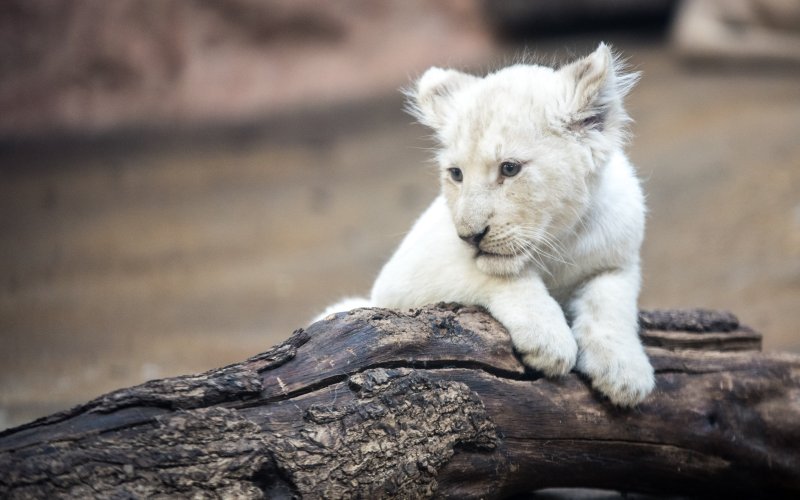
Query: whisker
[[538, 237]]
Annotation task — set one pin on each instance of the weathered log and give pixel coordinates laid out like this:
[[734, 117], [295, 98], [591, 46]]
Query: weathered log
[[375, 403]]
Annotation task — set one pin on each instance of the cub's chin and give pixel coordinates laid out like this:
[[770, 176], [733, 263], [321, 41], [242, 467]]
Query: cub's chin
[[500, 265]]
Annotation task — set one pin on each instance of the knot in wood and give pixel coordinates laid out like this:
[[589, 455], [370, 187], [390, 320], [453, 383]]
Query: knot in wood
[[390, 438]]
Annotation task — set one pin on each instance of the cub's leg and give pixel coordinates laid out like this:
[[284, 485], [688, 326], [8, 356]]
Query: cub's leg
[[536, 324], [605, 324], [344, 305]]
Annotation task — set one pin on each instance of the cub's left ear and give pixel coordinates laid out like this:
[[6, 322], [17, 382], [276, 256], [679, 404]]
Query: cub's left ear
[[596, 87]]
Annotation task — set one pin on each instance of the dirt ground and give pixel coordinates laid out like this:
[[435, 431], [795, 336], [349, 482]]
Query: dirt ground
[[126, 261]]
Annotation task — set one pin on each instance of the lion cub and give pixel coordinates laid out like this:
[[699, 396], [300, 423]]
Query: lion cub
[[540, 218]]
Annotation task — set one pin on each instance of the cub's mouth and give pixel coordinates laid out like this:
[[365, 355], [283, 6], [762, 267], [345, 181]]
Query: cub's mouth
[[491, 255], [500, 264]]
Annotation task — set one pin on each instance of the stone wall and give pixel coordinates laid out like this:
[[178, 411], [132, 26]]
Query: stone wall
[[92, 66]]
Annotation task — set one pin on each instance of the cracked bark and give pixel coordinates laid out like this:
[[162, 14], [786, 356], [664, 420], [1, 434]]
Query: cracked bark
[[376, 403]]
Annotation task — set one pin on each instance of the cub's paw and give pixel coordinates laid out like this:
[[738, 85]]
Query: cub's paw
[[624, 375], [550, 349]]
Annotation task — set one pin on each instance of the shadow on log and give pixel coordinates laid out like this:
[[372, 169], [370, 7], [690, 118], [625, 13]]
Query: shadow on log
[[374, 403]]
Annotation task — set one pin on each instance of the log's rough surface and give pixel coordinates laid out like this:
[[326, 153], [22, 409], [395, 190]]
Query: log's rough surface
[[376, 403]]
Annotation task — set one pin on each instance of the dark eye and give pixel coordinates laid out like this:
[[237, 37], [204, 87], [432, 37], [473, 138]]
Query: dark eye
[[456, 174], [510, 168]]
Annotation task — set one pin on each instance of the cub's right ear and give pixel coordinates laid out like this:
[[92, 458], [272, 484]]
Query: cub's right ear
[[430, 100]]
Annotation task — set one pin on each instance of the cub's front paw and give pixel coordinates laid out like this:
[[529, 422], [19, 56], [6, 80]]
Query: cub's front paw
[[549, 348], [624, 375]]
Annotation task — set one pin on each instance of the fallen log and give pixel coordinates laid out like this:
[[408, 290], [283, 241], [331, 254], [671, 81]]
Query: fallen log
[[375, 403]]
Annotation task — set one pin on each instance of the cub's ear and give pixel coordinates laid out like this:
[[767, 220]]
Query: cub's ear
[[596, 87], [430, 100]]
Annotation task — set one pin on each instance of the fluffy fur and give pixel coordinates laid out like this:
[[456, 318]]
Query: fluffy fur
[[540, 217]]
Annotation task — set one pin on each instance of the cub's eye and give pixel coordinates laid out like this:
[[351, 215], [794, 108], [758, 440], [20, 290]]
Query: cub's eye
[[456, 174], [510, 168]]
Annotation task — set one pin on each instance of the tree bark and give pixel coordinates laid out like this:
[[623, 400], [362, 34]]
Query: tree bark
[[375, 403]]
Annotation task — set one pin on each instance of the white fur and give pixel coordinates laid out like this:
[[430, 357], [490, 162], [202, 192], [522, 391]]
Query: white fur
[[559, 265]]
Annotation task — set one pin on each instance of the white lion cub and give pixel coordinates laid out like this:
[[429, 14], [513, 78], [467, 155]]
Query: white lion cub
[[540, 218]]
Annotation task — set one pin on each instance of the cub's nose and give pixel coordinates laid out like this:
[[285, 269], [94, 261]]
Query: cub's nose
[[475, 238]]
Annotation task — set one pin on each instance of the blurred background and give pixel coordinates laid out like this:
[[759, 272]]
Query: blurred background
[[185, 182]]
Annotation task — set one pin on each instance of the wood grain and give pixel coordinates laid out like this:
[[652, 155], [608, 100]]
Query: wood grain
[[433, 402]]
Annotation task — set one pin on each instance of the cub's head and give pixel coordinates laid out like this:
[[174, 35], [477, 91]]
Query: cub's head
[[521, 150]]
